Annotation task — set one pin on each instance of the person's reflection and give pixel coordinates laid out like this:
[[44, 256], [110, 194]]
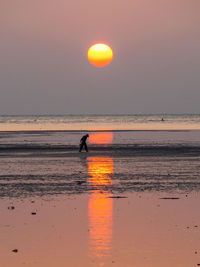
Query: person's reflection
[[100, 208]]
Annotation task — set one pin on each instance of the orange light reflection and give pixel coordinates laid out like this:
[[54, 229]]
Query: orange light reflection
[[100, 207], [101, 138]]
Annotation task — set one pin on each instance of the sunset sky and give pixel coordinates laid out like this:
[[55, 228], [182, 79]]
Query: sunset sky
[[44, 67]]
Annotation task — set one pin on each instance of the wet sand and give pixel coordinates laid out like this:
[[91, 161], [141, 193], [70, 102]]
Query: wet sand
[[95, 230], [118, 205], [40, 171]]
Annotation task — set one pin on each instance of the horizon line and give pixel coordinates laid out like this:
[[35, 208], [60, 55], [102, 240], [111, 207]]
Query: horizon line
[[100, 114]]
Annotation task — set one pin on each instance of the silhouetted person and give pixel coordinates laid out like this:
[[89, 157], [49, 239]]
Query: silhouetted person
[[162, 119], [83, 143]]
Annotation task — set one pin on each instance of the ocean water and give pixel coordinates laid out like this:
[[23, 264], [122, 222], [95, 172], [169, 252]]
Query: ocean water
[[100, 122], [115, 130]]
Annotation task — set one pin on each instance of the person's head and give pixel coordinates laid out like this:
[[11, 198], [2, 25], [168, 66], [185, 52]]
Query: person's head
[[87, 135]]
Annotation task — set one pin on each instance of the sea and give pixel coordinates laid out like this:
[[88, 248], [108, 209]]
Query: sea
[[119, 129], [99, 122]]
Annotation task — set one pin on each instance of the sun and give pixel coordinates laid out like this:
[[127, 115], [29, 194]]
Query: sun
[[100, 55]]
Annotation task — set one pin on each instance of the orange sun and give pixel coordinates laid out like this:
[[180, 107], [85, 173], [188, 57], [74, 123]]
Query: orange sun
[[100, 55]]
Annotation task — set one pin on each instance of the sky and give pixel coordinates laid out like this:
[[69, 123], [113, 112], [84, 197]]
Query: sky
[[44, 67]]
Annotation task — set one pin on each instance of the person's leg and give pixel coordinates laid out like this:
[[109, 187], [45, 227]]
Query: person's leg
[[81, 147], [86, 148]]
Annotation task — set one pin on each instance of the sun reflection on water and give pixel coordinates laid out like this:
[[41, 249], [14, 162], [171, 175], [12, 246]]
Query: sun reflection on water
[[100, 208], [102, 138]]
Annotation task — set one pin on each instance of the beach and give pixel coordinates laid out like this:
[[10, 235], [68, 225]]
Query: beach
[[132, 200], [99, 133]]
